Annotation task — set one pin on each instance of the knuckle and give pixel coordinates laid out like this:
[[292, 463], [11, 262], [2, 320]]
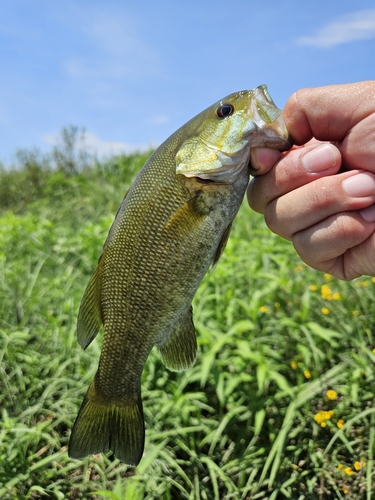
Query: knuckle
[[320, 196]]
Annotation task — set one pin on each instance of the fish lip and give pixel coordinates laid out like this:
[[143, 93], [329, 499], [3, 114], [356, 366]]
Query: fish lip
[[278, 143], [269, 138]]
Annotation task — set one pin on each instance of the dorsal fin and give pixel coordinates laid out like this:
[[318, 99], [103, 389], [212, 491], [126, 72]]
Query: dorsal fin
[[90, 314], [115, 223]]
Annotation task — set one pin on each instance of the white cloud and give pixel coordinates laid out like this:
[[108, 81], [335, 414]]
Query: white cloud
[[358, 25], [96, 146]]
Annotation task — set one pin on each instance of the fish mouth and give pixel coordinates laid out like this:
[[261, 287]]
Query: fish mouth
[[278, 143], [273, 136], [271, 131], [276, 135]]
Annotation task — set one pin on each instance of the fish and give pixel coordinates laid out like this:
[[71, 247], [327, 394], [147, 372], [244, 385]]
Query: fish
[[172, 225]]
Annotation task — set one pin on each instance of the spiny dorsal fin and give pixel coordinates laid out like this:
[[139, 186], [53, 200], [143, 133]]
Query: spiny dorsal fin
[[115, 223], [180, 350], [222, 245]]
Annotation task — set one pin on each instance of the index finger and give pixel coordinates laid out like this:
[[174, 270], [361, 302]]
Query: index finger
[[343, 114], [328, 113]]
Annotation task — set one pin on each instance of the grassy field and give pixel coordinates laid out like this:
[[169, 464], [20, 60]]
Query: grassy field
[[280, 403]]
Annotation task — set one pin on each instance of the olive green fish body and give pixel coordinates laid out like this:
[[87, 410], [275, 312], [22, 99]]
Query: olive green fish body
[[172, 225]]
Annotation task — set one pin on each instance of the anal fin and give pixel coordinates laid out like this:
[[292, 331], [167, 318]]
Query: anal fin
[[180, 350]]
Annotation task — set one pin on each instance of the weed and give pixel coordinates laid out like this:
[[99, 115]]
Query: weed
[[280, 403]]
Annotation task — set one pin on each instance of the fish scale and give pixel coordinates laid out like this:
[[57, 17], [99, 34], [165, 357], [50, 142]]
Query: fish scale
[[172, 225]]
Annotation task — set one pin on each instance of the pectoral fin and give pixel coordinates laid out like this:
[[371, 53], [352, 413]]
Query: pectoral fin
[[90, 315], [186, 217], [180, 350], [222, 245]]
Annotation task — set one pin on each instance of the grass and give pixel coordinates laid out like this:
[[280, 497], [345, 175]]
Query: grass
[[280, 403]]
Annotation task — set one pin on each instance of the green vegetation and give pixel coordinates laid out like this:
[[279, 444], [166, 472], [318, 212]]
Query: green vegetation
[[280, 403]]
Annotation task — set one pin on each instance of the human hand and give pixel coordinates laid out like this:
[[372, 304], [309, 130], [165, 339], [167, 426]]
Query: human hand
[[321, 196]]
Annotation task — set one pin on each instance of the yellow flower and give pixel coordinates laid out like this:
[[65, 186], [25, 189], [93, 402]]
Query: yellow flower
[[348, 471], [340, 466], [332, 395], [325, 310], [361, 283], [373, 351], [321, 417], [340, 423], [313, 288], [264, 309], [359, 465], [293, 365], [307, 373], [327, 277], [355, 312], [345, 490], [326, 292], [373, 280], [298, 268]]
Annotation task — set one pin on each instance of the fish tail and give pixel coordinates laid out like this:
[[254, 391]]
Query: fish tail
[[116, 426]]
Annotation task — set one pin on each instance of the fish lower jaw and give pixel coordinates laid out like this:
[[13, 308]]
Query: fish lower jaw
[[268, 139], [273, 142]]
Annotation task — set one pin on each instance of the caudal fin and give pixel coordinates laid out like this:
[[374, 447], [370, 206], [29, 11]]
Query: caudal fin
[[116, 427]]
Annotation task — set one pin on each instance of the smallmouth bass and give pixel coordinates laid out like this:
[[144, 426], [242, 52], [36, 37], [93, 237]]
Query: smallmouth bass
[[173, 223]]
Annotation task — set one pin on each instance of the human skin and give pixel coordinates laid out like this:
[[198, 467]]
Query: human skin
[[321, 194]]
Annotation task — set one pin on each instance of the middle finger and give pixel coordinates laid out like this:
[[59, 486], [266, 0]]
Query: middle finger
[[314, 202]]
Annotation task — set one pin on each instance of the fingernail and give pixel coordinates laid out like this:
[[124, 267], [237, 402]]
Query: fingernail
[[360, 185], [368, 213], [320, 158]]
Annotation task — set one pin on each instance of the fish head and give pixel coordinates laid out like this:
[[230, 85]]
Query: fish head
[[220, 138]]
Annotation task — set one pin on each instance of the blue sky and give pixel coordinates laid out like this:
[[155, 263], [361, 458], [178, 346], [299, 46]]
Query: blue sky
[[132, 72]]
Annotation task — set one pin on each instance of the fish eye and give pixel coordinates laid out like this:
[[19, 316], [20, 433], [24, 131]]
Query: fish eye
[[224, 110]]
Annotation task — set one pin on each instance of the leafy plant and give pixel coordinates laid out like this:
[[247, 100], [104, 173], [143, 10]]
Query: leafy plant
[[280, 403]]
